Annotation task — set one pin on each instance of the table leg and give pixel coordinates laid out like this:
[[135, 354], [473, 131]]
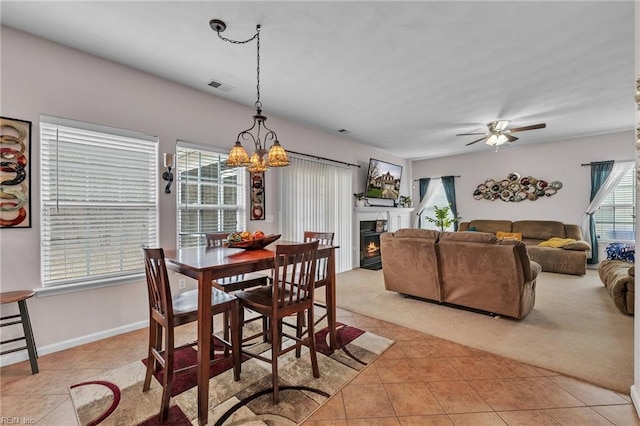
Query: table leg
[[204, 344], [331, 300]]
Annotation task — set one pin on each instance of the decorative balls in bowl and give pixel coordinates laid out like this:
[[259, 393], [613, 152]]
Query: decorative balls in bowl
[[251, 241]]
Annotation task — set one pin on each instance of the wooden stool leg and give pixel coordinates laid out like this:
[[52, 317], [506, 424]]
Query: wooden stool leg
[[28, 335], [236, 340]]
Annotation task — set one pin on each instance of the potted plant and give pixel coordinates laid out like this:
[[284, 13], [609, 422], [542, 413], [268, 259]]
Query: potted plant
[[405, 201], [360, 201], [442, 219]]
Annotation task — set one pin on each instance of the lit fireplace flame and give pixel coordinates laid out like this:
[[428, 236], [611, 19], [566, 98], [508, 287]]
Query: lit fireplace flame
[[372, 248]]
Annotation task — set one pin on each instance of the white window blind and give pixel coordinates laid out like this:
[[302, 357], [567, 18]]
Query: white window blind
[[615, 218], [98, 201], [211, 196], [317, 196]]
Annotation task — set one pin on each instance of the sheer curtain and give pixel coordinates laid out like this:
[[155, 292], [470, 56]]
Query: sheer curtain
[[605, 177], [317, 196], [427, 189], [450, 190]]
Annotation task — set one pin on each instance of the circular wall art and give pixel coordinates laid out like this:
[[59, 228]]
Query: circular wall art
[[516, 188]]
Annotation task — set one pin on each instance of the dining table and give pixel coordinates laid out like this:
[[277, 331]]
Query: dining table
[[206, 264]]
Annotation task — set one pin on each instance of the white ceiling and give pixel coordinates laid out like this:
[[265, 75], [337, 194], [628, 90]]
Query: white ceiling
[[405, 77]]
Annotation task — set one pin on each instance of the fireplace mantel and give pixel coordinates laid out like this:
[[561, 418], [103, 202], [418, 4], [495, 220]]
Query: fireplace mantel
[[396, 217]]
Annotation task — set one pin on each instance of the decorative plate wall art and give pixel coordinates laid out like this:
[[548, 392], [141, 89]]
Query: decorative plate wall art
[[515, 188], [15, 176]]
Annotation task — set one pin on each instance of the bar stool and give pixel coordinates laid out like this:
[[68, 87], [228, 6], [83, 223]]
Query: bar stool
[[20, 297]]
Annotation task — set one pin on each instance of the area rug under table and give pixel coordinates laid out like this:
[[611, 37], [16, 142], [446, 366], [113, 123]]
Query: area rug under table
[[116, 397]]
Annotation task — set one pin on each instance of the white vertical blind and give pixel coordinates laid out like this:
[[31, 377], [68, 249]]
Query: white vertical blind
[[211, 195], [98, 201], [317, 196]]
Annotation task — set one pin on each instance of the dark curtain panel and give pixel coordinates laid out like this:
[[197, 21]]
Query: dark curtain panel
[[599, 174], [424, 186], [450, 191]]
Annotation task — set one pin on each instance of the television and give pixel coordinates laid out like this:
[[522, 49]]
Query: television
[[383, 180]]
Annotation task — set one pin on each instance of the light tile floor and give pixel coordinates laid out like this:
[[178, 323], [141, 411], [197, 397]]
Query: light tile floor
[[421, 380]]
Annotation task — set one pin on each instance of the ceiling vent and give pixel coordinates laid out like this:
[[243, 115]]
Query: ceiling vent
[[220, 86], [343, 131]]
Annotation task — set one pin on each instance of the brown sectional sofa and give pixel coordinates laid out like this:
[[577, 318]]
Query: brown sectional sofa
[[619, 279], [474, 270], [570, 259]]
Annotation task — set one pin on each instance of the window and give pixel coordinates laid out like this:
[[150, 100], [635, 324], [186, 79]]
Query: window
[[211, 196], [437, 198], [317, 196], [616, 216], [98, 201]]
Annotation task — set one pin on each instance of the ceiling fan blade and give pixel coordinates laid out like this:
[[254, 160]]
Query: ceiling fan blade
[[467, 134], [477, 140], [511, 138], [532, 127]]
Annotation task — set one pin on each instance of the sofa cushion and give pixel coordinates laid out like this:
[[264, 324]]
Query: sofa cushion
[[539, 229], [417, 233], [557, 242], [477, 237], [492, 226]]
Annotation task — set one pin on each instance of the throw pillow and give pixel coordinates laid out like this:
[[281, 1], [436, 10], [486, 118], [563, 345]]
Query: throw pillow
[[621, 251], [509, 235], [556, 242], [578, 246], [472, 229]]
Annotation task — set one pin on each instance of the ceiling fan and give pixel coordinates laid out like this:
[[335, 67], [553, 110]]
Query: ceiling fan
[[499, 134]]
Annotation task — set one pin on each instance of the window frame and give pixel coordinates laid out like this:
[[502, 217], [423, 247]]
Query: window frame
[[628, 181], [182, 179], [62, 188]]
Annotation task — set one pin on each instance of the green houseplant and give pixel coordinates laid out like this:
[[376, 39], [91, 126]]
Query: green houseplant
[[442, 219], [360, 201]]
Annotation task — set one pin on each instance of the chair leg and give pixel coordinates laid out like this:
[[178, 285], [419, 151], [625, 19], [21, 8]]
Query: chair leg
[[151, 360], [275, 353], [226, 331], [299, 325], [312, 345], [28, 336], [236, 340], [168, 374]]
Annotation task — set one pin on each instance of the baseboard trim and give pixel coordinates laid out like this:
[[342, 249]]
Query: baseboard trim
[[635, 398], [16, 357]]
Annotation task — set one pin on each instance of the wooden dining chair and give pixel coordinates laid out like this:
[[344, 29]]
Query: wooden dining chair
[[291, 293], [322, 266], [167, 312]]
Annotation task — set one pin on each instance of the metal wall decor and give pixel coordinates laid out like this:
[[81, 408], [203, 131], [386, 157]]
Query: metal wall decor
[[15, 176], [515, 189]]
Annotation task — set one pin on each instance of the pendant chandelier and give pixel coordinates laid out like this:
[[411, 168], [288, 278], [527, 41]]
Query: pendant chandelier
[[262, 158]]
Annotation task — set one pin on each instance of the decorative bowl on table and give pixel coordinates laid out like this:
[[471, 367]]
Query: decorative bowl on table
[[254, 244]]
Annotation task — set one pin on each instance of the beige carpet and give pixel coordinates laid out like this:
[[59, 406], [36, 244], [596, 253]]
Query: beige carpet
[[574, 328]]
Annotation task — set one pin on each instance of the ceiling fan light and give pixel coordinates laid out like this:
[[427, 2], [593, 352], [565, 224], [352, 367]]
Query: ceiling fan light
[[238, 156], [502, 124], [277, 156]]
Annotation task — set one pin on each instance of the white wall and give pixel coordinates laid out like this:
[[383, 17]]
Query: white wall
[[551, 161], [40, 77]]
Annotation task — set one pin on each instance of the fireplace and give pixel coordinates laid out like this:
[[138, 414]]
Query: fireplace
[[370, 231]]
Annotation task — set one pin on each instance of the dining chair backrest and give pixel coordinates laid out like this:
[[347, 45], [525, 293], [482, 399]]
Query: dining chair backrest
[[158, 287], [294, 281], [216, 239], [324, 239]]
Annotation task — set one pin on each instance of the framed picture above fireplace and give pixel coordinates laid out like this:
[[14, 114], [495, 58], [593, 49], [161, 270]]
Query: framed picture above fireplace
[[383, 180]]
